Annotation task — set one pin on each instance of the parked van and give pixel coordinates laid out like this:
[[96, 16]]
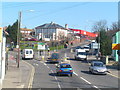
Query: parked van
[[80, 54], [27, 54]]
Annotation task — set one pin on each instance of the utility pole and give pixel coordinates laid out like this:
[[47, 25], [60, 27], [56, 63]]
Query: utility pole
[[18, 38], [99, 42]]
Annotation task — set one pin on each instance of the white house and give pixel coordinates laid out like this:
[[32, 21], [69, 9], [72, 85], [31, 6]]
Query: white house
[[3, 34], [51, 31]]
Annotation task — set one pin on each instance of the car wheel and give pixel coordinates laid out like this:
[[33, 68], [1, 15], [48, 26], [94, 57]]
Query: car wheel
[[71, 75], [58, 74]]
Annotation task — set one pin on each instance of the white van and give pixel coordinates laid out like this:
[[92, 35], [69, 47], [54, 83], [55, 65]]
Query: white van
[[80, 54], [27, 54]]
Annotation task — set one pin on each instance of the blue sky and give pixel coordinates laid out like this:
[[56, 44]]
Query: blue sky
[[79, 15]]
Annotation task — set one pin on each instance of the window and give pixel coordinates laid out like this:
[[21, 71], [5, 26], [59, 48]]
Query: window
[[98, 64], [27, 52], [30, 52], [65, 66]]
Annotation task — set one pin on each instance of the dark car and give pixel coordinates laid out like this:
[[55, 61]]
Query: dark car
[[54, 58], [64, 69]]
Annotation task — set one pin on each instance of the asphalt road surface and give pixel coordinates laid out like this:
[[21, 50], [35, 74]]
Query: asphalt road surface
[[45, 75]]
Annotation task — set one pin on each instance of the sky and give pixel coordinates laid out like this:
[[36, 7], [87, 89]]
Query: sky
[[78, 15]]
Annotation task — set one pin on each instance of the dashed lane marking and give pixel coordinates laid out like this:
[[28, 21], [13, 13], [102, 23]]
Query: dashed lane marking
[[85, 80], [95, 86], [75, 73]]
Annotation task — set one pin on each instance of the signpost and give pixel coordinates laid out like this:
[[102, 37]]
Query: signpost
[[41, 46], [115, 46]]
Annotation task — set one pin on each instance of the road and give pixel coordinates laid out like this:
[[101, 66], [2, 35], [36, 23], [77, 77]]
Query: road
[[45, 75]]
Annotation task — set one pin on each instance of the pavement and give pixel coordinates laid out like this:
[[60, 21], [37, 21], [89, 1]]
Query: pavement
[[22, 77], [18, 77]]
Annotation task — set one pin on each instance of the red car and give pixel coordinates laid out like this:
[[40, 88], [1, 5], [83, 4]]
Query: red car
[[33, 39]]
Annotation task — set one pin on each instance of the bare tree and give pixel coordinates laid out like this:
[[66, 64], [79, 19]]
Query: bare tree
[[100, 25], [115, 26]]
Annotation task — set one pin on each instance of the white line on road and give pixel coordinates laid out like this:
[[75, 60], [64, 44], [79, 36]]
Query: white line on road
[[95, 86], [56, 79], [48, 67], [75, 73], [45, 64], [85, 80]]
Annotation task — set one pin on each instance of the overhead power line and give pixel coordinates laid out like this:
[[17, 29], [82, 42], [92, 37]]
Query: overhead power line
[[60, 10]]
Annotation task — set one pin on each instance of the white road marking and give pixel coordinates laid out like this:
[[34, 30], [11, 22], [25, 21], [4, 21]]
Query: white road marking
[[47, 67], [56, 79], [95, 86], [75, 73], [85, 80], [45, 64]]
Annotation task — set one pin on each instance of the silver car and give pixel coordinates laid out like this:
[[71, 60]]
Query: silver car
[[98, 67]]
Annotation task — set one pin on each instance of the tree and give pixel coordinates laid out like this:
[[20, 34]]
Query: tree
[[103, 38], [13, 30]]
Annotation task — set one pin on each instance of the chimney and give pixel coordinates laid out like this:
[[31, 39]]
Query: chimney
[[66, 26]]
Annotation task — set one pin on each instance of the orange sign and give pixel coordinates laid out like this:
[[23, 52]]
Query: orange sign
[[115, 46], [1, 34]]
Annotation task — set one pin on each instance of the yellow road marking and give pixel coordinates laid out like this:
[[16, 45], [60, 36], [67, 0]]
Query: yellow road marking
[[31, 76], [113, 75]]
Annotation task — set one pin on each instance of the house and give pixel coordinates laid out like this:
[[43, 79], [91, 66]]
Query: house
[[26, 33], [51, 31], [116, 40], [3, 34]]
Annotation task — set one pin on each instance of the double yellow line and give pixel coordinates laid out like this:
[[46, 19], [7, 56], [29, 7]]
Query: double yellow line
[[31, 76]]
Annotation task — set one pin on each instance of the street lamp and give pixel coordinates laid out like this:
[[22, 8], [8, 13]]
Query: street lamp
[[18, 36]]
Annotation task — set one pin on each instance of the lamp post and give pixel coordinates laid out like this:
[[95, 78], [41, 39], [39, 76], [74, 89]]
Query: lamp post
[[18, 36]]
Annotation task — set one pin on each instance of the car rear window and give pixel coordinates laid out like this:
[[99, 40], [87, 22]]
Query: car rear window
[[30, 52], [27, 52], [65, 66], [55, 56]]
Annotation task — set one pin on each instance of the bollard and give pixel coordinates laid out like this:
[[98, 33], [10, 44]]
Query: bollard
[[106, 60], [43, 58], [65, 58], [71, 50]]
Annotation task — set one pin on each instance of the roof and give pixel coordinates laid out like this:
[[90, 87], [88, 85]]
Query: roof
[[50, 25], [25, 29]]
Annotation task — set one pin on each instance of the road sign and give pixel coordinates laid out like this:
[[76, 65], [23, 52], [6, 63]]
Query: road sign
[[115, 46], [41, 46]]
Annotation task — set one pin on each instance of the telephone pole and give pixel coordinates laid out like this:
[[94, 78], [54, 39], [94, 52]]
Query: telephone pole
[[18, 38]]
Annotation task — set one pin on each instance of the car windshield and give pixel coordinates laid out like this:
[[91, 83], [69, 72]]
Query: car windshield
[[65, 66], [98, 64], [81, 53], [78, 47], [86, 47]]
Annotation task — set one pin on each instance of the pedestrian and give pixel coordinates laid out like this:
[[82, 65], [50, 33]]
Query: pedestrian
[[71, 43]]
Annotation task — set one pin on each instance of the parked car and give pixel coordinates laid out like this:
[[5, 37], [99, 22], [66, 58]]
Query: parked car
[[64, 69], [98, 67], [33, 39], [80, 54]]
